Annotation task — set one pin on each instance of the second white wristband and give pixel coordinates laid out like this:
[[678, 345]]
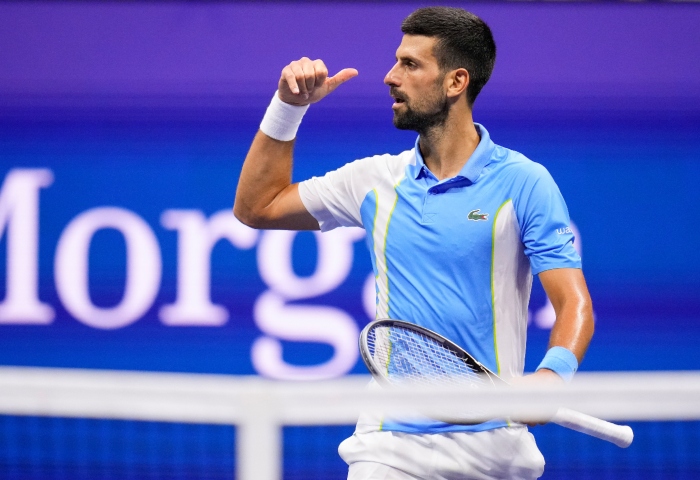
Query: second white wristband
[[282, 120]]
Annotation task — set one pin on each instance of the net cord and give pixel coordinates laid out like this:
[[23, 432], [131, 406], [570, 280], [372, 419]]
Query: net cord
[[260, 407]]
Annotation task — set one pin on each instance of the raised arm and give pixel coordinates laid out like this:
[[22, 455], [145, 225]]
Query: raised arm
[[266, 197]]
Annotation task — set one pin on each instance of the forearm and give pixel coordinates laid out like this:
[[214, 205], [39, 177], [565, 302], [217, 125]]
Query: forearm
[[574, 326], [265, 179]]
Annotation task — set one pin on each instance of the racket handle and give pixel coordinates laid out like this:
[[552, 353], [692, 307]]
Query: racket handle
[[620, 435]]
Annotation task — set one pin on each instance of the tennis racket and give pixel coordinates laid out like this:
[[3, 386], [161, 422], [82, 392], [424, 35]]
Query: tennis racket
[[401, 353]]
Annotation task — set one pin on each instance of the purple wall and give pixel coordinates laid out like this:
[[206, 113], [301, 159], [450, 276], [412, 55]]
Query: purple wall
[[560, 53]]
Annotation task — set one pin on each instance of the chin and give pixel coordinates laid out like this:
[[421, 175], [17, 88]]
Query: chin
[[400, 126], [401, 122]]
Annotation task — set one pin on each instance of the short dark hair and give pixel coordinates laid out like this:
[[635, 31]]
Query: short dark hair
[[464, 41]]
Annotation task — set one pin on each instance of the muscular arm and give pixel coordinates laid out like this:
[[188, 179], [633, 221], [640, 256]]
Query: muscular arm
[[266, 197], [573, 328], [567, 290]]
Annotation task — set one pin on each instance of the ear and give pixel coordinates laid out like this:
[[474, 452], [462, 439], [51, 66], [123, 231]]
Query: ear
[[457, 82]]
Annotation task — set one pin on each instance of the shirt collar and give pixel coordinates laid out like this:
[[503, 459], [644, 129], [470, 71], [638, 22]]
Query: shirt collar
[[476, 162]]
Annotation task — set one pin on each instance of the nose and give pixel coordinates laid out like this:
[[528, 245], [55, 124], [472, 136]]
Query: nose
[[391, 78]]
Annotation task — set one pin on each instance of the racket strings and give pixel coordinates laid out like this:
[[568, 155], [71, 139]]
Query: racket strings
[[411, 358]]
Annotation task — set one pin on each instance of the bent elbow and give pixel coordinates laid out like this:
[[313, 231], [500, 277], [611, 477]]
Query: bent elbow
[[247, 217]]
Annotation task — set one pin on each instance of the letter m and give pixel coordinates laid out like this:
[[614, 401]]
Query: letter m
[[19, 217]]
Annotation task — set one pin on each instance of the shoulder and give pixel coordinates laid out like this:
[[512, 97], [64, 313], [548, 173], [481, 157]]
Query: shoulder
[[359, 177], [375, 170], [524, 180], [386, 164], [517, 173], [336, 198], [515, 163]]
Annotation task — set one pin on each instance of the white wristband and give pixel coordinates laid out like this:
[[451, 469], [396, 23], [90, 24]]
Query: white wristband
[[282, 120]]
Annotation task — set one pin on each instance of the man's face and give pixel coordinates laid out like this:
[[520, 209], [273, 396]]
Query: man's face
[[416, 83]]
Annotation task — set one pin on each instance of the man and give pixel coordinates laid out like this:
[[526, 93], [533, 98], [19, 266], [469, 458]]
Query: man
[[456, 228]]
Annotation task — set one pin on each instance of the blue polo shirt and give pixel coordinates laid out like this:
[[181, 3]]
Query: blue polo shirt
[[456, 256]]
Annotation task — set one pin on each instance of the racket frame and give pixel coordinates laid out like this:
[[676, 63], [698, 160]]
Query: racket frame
[[377, 370], [620, 435]]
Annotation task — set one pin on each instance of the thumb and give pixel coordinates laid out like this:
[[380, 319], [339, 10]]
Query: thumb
[[339, 78]]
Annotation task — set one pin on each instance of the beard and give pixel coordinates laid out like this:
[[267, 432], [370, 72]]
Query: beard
[[423, 114]]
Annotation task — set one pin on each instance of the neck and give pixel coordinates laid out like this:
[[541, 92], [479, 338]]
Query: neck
[[447, 147]]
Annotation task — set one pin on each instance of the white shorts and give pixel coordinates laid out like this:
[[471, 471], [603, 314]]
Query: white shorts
[[502, 453]]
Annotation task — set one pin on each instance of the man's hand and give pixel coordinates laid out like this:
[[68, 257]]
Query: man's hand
[[306, 81], [540, 377]]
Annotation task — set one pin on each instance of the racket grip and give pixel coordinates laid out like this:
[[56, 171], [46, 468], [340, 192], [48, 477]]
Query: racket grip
[[620, 435]]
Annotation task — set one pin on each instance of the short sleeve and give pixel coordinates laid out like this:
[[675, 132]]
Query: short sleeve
[[335, 199], [544, 224]]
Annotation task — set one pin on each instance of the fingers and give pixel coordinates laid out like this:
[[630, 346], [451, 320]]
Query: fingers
[[341, 77], [309, 75], [289, 80], [321, 73], [303, 76], [307, 79]]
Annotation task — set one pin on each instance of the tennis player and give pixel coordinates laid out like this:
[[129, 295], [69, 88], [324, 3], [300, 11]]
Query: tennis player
[[456, 228]]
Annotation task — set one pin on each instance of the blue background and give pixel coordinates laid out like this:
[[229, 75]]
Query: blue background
[[623, 148], [630, 188]]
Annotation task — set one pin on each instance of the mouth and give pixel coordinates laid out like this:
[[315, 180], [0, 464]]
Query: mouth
[[399, 99]]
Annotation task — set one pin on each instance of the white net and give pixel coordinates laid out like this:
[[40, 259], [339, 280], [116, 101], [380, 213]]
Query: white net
[[60, 424]]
